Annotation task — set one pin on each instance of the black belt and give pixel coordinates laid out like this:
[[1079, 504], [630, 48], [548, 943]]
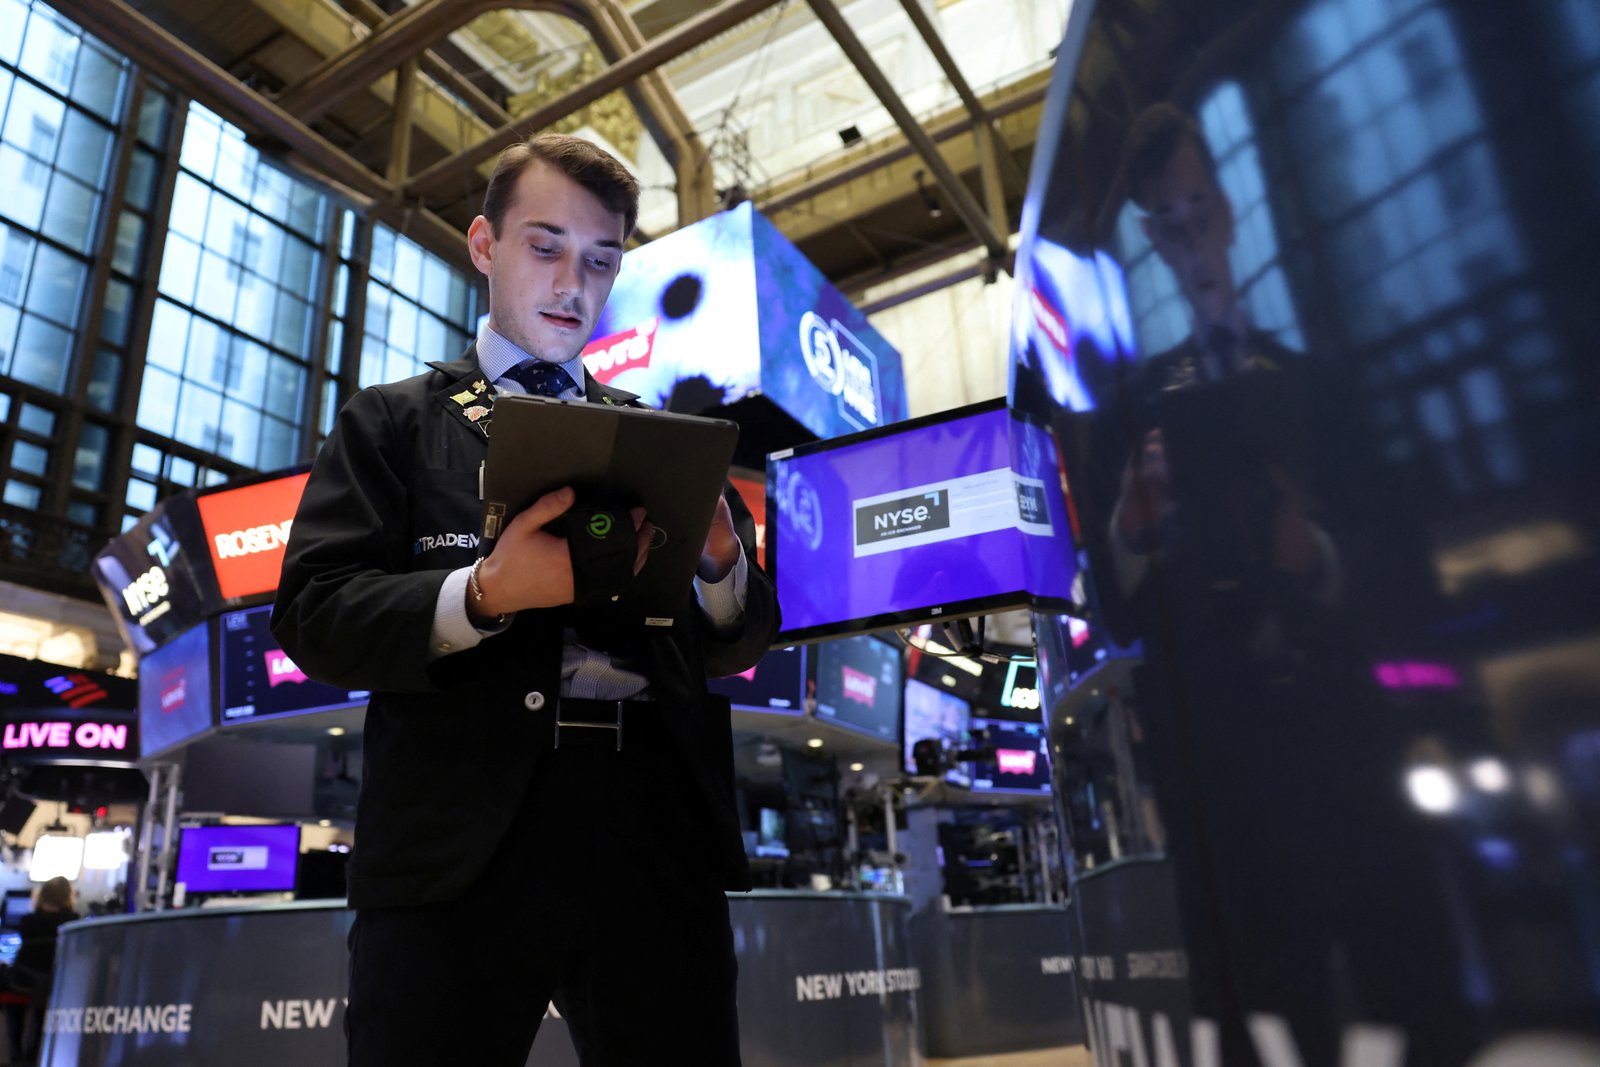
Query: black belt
[[595, 722]]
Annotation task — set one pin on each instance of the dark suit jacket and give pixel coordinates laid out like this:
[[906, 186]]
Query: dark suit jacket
[[449, 747]]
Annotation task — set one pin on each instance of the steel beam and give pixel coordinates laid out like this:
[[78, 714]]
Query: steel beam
[[658, 52], [956, 194], [405, 98]]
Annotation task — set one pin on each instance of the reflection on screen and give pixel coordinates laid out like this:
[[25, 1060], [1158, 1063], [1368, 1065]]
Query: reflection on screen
[[776, 684], [858, 685], [1021, 762], [932, 712], [909, 524], [259, 679], [175, 691], [238, 859]]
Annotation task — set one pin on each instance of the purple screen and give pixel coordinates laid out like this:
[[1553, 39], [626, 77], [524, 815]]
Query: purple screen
[[926, 518], [238, 859]]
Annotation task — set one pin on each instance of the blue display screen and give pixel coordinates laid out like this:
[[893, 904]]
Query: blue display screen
[[858, 685], [238, 859], [175, 691], [259, 679]]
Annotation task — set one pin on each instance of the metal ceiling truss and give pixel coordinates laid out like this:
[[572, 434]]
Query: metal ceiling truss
[[402, 43]]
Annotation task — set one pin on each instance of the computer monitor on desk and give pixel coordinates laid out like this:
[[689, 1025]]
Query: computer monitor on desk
[[17, 903]]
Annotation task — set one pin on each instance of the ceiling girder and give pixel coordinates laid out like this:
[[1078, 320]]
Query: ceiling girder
[[966, 208]]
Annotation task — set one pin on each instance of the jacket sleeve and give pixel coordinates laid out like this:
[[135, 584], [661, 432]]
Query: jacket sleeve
[[347, 611], [738, 648]]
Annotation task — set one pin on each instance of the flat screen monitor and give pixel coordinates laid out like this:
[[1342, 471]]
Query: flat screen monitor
[[175, 691], [858, 685], [258, 679], [932, 712], [776, 684], [18, 902], [770, 837], [1021, 761], [238, 859], [943, 517]]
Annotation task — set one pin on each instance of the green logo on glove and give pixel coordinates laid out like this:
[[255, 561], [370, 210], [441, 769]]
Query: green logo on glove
[[600, 525]]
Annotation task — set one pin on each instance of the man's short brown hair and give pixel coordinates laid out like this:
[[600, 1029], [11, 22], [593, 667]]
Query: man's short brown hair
[[1155, 137], [585, 163]]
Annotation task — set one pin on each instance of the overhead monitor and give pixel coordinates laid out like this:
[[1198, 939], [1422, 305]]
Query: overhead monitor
[[775, 684], [247, 530], [258, 679], [858, 683], [936, 714], [175, 691], [949, 516], [1021, 762], [238, 859]]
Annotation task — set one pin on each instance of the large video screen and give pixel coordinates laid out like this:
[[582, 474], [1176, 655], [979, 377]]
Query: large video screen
[[775, 684], [957, 514], [858, 685], [259, 679], [238, 859], [933, 713], [1021, 762], [175, 691]]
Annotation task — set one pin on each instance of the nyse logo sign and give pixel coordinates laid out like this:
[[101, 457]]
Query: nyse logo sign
[[842, 365], [146, 595], [886, 520]]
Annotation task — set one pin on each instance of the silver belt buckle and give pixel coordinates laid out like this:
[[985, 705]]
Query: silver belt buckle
[[617, 726]]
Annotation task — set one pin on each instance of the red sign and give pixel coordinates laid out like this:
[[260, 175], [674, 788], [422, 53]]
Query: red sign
[[610, 356], [246, 531], [754, 495], [860, 687]]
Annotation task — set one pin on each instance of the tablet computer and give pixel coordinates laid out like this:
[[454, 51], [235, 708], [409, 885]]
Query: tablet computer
[[672, 465]]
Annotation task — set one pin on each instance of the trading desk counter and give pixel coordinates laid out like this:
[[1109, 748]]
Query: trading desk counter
[[825, 980], [998, 979]]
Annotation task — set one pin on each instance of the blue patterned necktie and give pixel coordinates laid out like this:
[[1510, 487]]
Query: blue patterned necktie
[[540, 378]]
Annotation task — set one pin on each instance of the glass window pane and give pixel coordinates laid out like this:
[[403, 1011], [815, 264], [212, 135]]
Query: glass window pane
[[114, 312], [25, 182], [290, 324], [216, 293], [141, 495], [256, 299], [43, 353], [83, 513], [146, 459], [127, 252], [200, 133], [240, 433], [158, 401], [277, 444], [180, 470], [85, 148], [407, 268], [266, 247], [207, 361], [285, 384], [141, 187], [381, 263], [305, 210], [333, 355], [33, 120], [225, 228], [271, 196], [13, 16], [57, 286], [341, 290], [105, 380], [99, 81], [29, 458], [16, 264], [155, 110], [89, 461], [199, 413], [189, 201], [36, 419], [247, 371], [299, 268], [435, 293], [70, 211], [180, 269], [236, 163], [347, 234], [169, 336], [22, 495], [10, 319], [50, 50]]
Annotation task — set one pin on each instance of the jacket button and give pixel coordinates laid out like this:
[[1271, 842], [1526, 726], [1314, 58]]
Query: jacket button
[[533, 701]]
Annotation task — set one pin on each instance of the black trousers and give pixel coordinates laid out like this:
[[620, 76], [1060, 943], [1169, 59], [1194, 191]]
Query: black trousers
[[605, 897]]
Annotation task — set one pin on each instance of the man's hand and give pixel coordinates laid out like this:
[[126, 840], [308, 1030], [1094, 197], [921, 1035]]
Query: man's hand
[[722, 546], [528, 568]]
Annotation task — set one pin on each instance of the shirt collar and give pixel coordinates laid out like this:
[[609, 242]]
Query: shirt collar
[[496, 355]]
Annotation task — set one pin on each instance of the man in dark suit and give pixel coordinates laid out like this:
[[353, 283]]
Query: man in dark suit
[[495, 870]]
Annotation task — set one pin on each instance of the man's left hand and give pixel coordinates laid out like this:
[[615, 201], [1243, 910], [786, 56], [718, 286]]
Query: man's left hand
[[722, 546]]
